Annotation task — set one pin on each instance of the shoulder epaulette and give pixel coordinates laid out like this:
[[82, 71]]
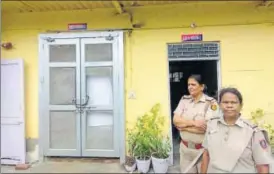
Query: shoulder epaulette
[[187, 97], [251, 125], [210, 99], [258, 129], [213, 118]]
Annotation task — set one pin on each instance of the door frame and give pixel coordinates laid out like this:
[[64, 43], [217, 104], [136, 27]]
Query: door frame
[[219, 84], [121, 87]]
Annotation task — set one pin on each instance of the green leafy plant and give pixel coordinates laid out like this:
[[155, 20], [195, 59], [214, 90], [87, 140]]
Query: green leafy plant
[[148, 129], [257, 118], [161, 147], [142, 149]]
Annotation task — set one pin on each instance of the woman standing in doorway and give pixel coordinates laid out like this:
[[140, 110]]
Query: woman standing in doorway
[[190, 118], [233, 145]]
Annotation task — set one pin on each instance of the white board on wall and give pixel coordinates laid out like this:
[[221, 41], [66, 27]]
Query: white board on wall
[[13, 144]]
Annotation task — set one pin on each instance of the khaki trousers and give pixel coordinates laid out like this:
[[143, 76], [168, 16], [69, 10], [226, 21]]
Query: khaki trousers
[[187, 155]]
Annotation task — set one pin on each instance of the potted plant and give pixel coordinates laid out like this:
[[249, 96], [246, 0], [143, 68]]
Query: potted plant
[[142, 154], [160, 144], [147, 129], [142, 148], [130, 162], [161, 154]]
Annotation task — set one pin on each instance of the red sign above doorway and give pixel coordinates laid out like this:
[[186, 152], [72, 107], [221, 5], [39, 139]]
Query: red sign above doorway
[[191, 37]]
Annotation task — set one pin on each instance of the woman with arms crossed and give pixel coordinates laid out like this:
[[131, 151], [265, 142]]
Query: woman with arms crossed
[[190, 119]]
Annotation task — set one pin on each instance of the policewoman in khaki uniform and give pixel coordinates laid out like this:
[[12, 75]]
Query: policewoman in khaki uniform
[[232, 144], [190, 118]]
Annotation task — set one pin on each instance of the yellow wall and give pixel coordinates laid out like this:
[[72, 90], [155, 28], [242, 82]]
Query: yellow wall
[[246, 33]]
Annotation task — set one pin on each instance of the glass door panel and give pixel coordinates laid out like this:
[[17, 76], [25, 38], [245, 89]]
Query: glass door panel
[[99, 116], [63, 83]]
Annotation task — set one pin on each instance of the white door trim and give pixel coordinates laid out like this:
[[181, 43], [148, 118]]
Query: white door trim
[[42, 40], [219, 84]]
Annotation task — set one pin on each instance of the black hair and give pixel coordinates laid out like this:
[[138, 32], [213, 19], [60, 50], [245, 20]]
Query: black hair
[[234, 91], [199, 79]]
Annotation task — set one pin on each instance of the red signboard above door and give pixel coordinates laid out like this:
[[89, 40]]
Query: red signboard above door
[[191, 37]]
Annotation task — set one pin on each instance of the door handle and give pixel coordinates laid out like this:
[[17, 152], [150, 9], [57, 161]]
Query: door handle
[[85, 101], [74, 101]]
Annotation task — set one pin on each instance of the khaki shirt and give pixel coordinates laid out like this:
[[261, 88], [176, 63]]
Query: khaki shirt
[[206, 108], [236, 148]]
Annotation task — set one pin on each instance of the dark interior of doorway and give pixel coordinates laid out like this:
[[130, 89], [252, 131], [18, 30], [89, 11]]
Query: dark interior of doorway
[[179, 71]]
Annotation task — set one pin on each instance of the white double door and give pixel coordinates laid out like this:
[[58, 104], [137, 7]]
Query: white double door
[[80, 80]]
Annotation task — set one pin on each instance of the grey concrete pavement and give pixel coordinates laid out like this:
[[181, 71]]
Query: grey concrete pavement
[[76, 166]]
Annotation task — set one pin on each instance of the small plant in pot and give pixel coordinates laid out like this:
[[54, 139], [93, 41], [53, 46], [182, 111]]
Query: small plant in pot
[[147, 127], [161, 154], [142, 153], [130, 162], [142, 149], [143, 132]]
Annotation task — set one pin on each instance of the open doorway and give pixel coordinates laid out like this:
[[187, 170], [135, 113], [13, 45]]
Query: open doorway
[[179, 71]]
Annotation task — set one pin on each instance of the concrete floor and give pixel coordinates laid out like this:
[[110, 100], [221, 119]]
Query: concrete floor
[[72, 165], [76, 167]]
